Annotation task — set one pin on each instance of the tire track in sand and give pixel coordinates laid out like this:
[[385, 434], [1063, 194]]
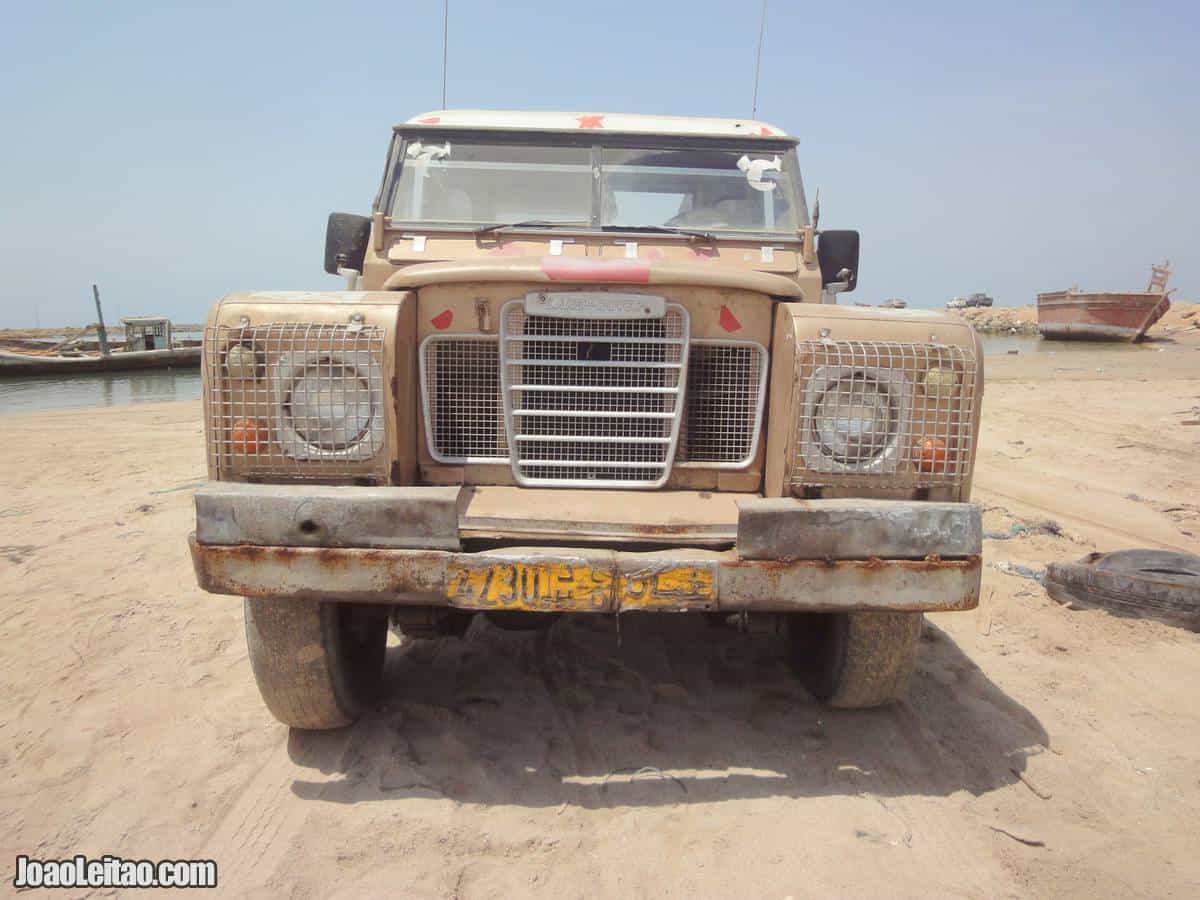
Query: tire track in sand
[[252, 839]]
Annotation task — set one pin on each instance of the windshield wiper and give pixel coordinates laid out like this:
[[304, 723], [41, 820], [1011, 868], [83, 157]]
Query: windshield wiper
[[706, 236], [529, 223], [637, 229]]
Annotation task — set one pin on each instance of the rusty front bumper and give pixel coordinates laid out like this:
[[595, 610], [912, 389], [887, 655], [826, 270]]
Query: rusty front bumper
[[789, 556]]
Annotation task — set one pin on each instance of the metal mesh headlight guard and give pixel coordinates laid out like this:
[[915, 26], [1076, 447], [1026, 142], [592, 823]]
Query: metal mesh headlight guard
[[295, 401], [884, 414]]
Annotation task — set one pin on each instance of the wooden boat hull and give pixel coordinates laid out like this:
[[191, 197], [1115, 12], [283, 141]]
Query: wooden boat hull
[[12, 363], [1066, 315]]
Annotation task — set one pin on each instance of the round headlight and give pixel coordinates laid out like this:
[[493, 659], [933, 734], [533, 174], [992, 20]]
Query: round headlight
[[854, 420], [330, 406]]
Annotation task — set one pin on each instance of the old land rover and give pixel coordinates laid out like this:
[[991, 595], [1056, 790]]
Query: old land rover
[[585, 364]]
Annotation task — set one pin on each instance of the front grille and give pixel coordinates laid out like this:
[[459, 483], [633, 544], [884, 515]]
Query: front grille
[[592, 402], [464, 413], [460, 386], [726, 385], [884, 414], [301, 401]]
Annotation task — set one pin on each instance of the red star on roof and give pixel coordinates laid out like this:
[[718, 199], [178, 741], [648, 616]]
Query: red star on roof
[[591, 121], [431, 120], [765, 131]]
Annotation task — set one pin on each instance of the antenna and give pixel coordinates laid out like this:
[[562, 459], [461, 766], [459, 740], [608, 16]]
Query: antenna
[[762, 25], [445, 45]]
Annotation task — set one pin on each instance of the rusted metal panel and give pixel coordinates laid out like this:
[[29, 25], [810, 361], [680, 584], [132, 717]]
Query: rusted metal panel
[[687, 517], [543, 579], [898, 585], [310, 515], [322, 573], [779, 528]]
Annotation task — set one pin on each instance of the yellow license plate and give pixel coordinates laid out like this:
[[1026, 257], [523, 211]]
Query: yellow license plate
[[575, 586], [668, 586]]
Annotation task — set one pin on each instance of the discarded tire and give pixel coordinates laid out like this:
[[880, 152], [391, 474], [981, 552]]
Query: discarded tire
[[1158, 584]]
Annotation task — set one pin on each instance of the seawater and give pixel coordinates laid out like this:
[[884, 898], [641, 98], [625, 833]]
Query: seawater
[[33, 393], [1000, 344]]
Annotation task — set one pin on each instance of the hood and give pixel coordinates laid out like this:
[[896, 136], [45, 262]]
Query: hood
[[574, 270]]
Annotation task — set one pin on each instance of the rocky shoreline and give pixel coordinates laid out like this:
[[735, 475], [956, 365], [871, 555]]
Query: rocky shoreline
[[1001, 320], [1182, 317]]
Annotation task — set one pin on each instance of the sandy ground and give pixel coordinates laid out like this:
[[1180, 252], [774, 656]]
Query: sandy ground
[[1043, 751]]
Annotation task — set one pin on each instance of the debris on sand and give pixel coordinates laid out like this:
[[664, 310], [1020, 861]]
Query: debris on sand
[[1037, 791], [1025, 529], [1027, 841], [1019, 571]]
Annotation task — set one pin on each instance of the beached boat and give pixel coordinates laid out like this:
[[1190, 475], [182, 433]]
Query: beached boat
[[1067, 315], [148, 345], [1107, 316], [16, 363]]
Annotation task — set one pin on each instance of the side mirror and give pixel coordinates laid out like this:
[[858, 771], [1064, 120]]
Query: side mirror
[[837, 254], [346, 237]]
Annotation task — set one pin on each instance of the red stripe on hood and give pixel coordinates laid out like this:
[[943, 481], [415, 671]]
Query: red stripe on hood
[[627, 271]]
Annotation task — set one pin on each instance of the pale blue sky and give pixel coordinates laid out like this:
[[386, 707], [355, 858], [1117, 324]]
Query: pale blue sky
[[174, 153]]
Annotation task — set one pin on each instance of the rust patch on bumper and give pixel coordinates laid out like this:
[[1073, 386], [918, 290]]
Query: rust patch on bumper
[[698, 580]]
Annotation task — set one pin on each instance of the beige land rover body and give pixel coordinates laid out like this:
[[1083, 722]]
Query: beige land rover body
[[591, 364]]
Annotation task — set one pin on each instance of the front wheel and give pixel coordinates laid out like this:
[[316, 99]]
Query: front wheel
[[318, 665], [854, 660]]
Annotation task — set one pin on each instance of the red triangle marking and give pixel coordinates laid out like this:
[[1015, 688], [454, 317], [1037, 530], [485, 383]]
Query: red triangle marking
[[728, 320], [442, 320]]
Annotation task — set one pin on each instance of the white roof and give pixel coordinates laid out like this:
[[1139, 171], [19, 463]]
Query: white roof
[[572, 121]]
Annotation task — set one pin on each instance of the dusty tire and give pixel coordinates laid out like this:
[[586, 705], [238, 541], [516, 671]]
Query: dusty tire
[[318, 665], [1160, 584], [855, 660]]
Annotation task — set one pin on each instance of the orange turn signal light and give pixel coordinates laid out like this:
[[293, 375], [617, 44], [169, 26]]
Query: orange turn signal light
[[931, 455], [247, 435]]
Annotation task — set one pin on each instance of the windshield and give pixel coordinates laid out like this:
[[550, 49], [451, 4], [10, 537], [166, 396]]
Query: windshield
[[479, 182], [723, 190]]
